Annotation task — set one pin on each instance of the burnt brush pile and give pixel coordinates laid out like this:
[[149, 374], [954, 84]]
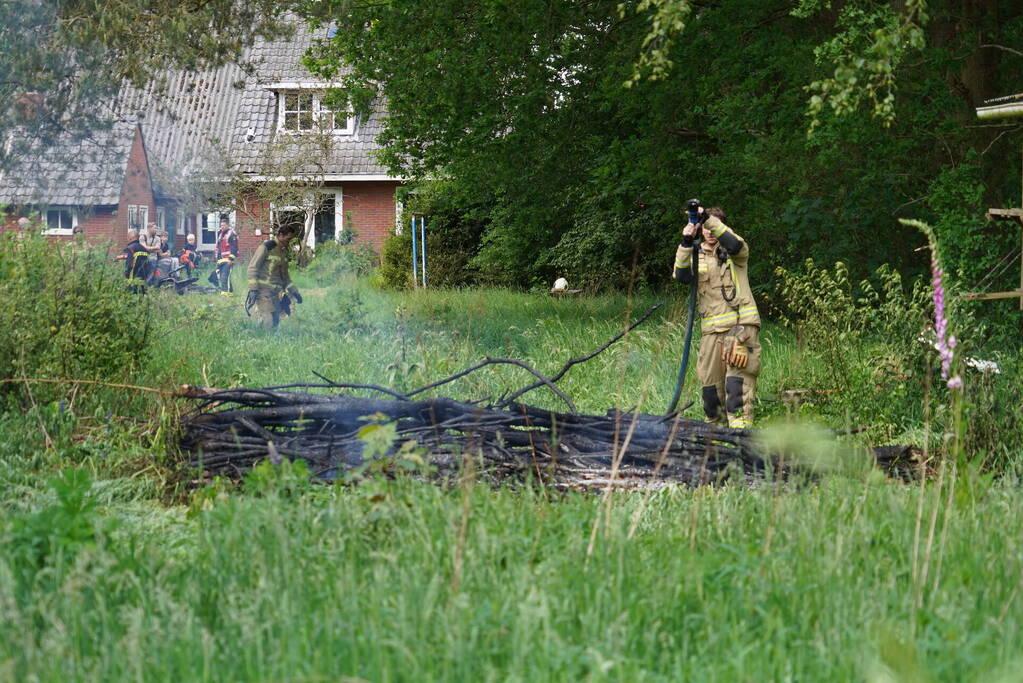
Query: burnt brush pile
[[232, 430], [505, 443]]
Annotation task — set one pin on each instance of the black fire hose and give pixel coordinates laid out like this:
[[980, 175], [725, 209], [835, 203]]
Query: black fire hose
[[684, 365]]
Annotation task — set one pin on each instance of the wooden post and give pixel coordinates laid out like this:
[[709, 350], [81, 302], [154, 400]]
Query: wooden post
[[1010, 106]]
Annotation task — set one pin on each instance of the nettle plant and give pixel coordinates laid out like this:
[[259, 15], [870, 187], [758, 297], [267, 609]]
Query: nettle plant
[[865, 337]]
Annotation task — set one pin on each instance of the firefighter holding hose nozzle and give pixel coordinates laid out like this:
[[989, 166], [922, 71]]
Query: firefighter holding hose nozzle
[[729, 358]]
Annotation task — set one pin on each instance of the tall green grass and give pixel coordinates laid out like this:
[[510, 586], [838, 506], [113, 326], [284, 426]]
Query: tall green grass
[[137, 573], [716, 584]]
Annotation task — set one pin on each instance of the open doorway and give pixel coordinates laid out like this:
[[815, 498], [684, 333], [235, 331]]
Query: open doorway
[[324, 222], [207, 225]]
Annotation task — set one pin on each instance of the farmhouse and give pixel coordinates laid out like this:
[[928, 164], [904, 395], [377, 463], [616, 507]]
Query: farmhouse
[[256, 142]]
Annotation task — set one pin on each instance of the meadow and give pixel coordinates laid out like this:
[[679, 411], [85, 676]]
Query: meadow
[[118, 563]]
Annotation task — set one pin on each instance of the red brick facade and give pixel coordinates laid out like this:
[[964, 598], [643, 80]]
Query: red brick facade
[[369, 210], [137, 189], [110, 223]]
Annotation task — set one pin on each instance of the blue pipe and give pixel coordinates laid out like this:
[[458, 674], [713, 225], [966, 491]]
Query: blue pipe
[[415, 256], [422, 241]]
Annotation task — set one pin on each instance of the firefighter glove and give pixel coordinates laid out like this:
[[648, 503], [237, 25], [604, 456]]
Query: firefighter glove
[[727, 344], [714, 224], [284, 304], [733, 350], [739, 357], [250, 300]]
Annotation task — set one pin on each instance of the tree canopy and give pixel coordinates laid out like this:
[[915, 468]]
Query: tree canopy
[[63, 62], [575, 131]]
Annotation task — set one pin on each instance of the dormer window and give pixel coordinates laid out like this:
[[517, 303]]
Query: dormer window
[[300, 109], [338, 122], [297, 111]]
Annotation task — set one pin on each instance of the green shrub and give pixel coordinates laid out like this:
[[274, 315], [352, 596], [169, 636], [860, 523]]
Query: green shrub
[[993, 413], [454, 232], [69, 315], [862, 340], [335, 259], [595, 256], [977, 255], [870, 346], [396, 261], [448, 258]]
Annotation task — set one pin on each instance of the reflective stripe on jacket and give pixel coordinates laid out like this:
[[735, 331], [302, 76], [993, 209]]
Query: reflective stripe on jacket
[[724, 298], [227, 243], [268, 269]]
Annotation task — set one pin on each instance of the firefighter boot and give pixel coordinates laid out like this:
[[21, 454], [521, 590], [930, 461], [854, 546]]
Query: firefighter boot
[[713, 404]]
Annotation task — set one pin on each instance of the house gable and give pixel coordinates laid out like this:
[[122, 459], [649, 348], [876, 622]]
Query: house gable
[[136, 204]]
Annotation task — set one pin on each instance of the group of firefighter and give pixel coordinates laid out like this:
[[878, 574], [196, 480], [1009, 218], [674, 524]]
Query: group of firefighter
[[271, 293], [729, 356]]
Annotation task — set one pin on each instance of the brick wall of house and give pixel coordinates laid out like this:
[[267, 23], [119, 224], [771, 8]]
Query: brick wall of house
[[109, 224], [252, 216], [369, 210], [100, 225], [103, 224]]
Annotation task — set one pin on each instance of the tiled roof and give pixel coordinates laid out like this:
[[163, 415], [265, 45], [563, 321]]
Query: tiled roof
[[258, 153], [226, 119], [204, 123], [72, 170]]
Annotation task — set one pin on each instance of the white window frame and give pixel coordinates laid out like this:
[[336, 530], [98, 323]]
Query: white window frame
[[181, 229], [308, 215], [339, 213], [61, 231], [320, 113], [283, 111], [140, 210], [309, 211]]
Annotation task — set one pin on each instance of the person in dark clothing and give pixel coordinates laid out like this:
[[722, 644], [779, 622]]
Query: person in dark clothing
[[136, 263]]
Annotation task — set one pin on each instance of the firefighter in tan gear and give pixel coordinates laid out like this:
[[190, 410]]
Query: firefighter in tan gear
[[729, 360], [270, 288]]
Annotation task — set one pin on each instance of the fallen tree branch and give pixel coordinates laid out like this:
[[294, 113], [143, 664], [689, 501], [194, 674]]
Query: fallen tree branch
[[544, 381], [94, 382], [571, 448]]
